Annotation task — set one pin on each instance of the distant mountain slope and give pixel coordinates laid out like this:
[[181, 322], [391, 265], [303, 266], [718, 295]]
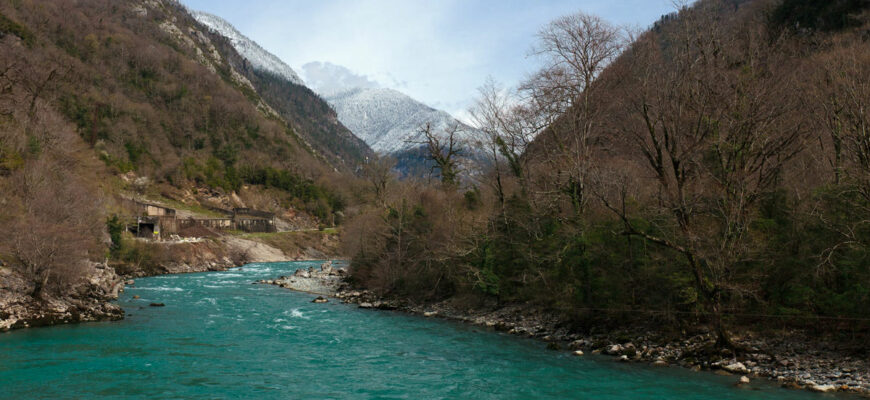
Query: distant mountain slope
[[284, 91], [388, 120], [247, 48]]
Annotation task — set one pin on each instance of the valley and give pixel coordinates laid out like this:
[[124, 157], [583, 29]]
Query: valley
[[673, 211]]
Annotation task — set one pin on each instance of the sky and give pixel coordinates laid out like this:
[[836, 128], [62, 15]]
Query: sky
[[438, 52]]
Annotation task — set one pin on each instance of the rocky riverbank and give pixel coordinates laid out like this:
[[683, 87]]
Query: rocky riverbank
[[88, 300], [788, 357], [326, 281], [91, 300]]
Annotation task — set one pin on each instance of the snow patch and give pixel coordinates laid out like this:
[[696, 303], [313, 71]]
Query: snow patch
[[256, 55]]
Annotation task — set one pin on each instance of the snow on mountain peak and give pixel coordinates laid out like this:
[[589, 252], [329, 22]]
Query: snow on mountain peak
[[247, 48], [387, 120]]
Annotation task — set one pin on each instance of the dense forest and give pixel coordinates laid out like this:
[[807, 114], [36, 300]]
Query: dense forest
[[713, 168]]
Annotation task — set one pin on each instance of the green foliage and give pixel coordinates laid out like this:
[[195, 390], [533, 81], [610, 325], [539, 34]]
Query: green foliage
[[10, 160], [137, 256], [823, 15], [227, 154], [10, 27], [116, 229], [135, 151], [472, 199], [91, 117], [120, 165], [317, 199], [34, 147]]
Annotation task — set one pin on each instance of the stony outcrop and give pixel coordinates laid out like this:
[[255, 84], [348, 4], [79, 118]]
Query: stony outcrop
[[326, 281], [87, 300]]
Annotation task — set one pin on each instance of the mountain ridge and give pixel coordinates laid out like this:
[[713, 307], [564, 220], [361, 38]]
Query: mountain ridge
[[259, 57], [282, 89]]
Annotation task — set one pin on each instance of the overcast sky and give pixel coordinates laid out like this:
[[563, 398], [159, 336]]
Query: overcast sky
[[438, 52]]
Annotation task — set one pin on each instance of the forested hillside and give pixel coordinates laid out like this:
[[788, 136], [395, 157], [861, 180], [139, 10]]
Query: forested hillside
[[101, 99], [712, 168]]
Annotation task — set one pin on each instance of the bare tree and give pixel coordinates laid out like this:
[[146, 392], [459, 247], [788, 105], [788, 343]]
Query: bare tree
[[845, 111], [715, 125], [51, 212], [502, 134], [443, 149], [378, 171], [563, 96]]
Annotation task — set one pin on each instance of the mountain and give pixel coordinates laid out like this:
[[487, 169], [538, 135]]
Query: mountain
[[103, 102], [283, 90], [387, 120], [247, 48]]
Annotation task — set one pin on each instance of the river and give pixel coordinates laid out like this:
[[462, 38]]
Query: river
[[220, 337]]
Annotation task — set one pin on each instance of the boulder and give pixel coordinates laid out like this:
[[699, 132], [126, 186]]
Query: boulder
[[301, 273], [736, 368], [320, 299], [578, 352], [743, 380], [365, 305], [129, 282], [822, 388], [577, 344], [660, 363], [326, 267]]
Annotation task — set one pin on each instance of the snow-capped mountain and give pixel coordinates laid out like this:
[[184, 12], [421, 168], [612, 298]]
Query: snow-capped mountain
[[285, 93], [247, 48], [387, 120]]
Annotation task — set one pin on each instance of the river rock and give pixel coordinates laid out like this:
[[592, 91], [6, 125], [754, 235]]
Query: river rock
[[577, 344], [129, 282], [302, 273], [157, 305], [737, 368], [822, 388], [365, 305], [320, 299], [326, 268], [660, 363], [578, 352], [743, 380]]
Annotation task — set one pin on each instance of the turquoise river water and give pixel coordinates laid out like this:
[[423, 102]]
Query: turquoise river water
[[220, 337]]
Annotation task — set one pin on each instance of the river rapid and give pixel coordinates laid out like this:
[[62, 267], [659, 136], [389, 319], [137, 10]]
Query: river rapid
[[221, 337]]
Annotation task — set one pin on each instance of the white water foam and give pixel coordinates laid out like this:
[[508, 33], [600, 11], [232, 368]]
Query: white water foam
[[229, 275], [159, 289], [210, 300], [295, 313]]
